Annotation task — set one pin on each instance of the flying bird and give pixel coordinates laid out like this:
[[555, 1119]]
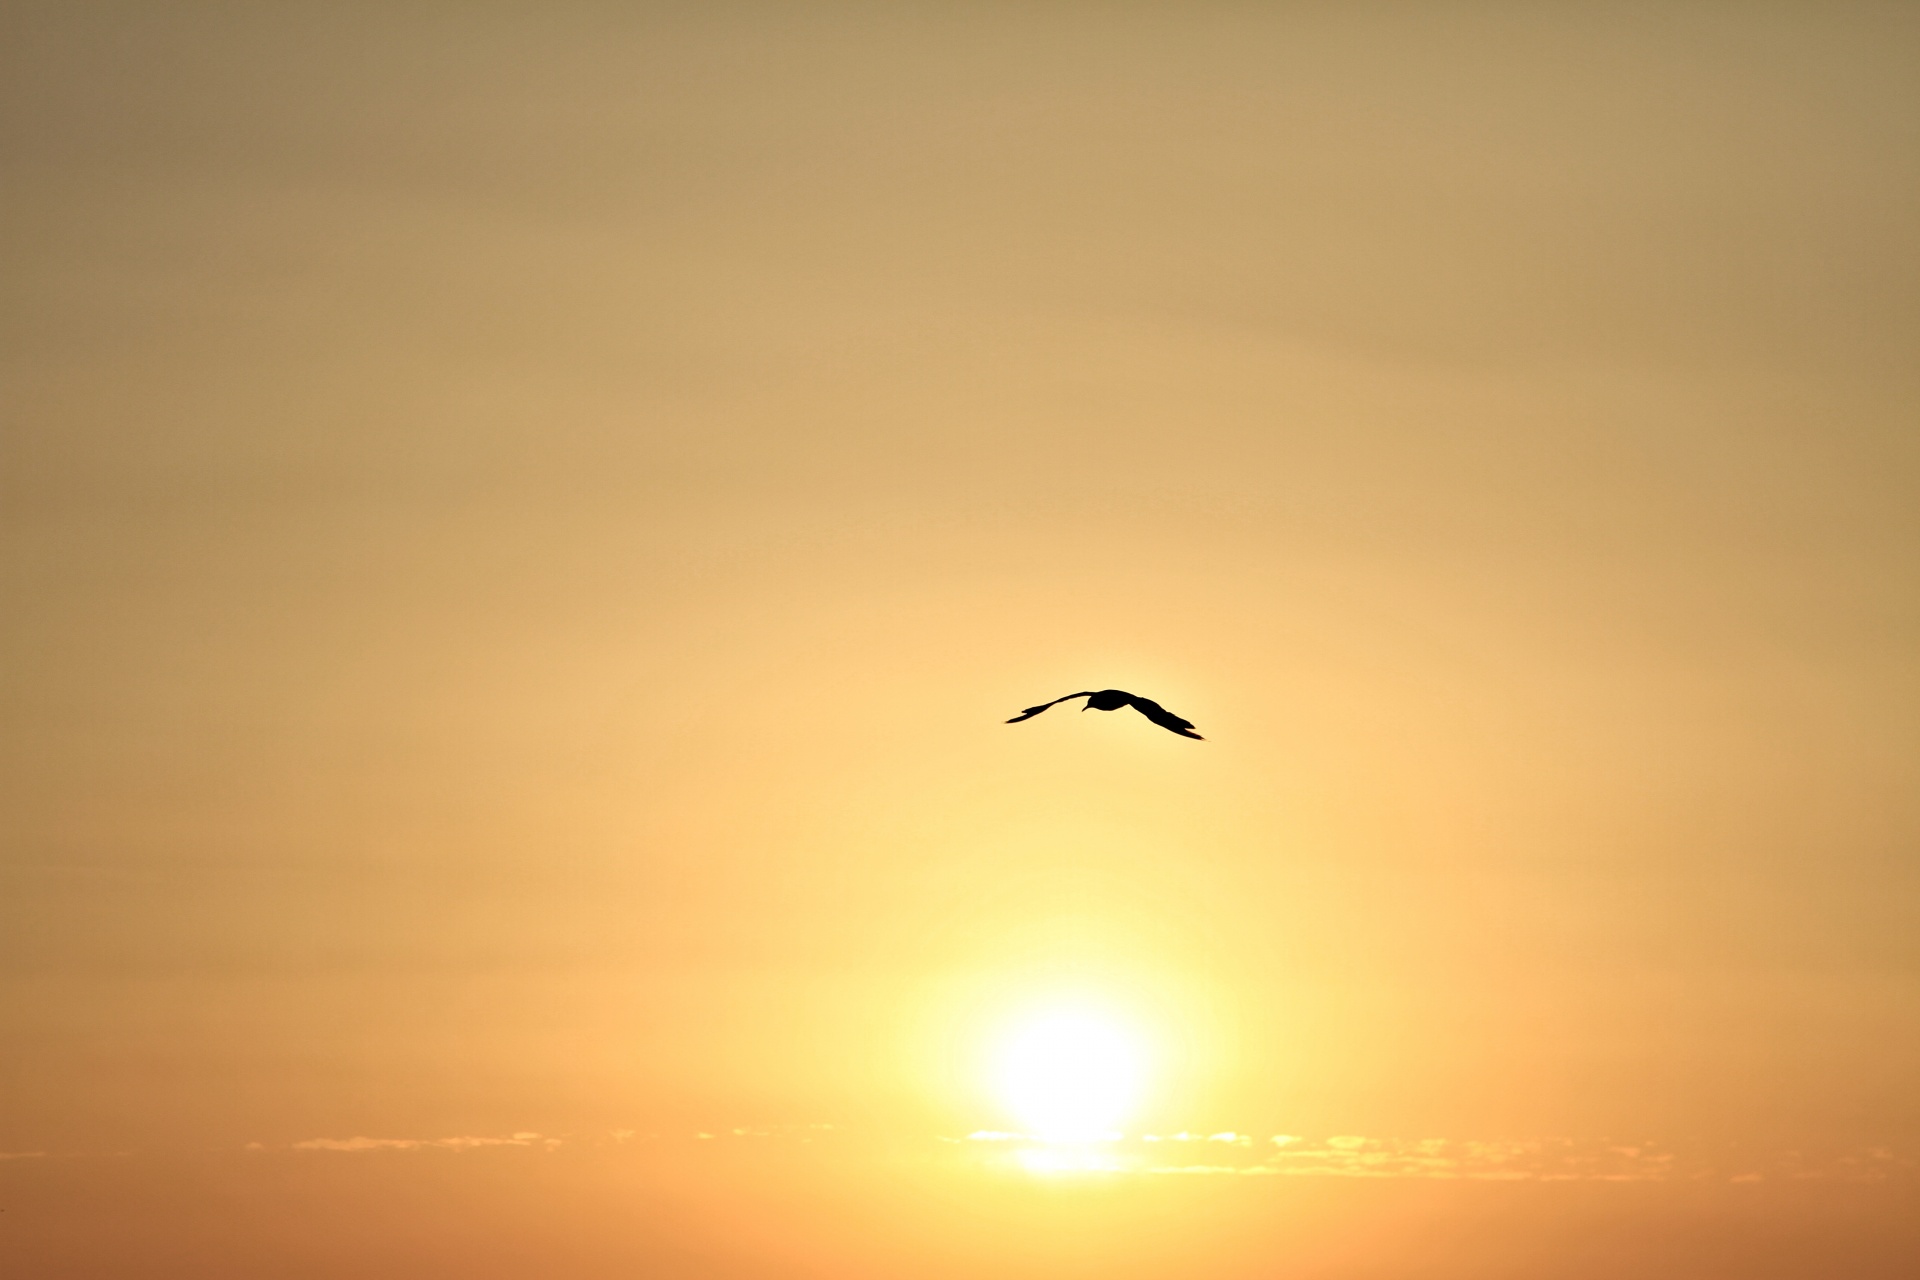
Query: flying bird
[[1113, 700]]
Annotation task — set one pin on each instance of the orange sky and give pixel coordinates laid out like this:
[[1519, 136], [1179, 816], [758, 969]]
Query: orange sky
[[520, 526]]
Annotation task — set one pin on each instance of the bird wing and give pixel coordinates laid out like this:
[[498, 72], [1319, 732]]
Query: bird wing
[[1163, 717], [1031, 712]]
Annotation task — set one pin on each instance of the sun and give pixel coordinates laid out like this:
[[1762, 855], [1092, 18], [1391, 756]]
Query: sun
[[1070, 1074]]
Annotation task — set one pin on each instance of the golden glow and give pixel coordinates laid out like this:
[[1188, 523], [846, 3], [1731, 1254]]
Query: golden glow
[[1070, 1074], [1067, 1159], [522, 525]]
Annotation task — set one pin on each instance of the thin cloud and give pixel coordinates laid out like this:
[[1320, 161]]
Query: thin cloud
[[1543, 1160], [465, 1142]]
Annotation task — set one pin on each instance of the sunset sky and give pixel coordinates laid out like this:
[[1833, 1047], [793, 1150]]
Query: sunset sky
[[520, 526]]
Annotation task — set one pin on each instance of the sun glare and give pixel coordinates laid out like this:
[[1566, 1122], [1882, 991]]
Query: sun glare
[[1070, 1075]]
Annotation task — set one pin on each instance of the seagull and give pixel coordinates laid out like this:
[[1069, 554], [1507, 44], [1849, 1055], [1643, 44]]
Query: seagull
[[1113, 700]]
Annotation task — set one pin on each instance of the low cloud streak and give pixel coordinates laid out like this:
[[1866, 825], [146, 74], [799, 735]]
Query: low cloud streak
[[465, 1142]]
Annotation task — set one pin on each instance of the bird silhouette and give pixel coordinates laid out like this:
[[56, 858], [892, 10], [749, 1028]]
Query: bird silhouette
[[1113, 700]]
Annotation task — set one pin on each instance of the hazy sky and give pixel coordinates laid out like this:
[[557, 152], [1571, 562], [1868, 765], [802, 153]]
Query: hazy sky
[[519, 526]]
